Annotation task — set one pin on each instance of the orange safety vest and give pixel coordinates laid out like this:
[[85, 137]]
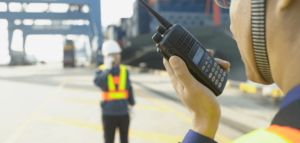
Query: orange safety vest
[[112, 93]]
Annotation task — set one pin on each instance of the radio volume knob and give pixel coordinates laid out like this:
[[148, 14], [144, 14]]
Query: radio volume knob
[[160, 30], [156, 38]]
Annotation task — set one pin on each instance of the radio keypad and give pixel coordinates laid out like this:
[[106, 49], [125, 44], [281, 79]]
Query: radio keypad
[[217, 81], [213, 71], [213, 78], [206, 65], [215, 64], [220, 85], [210, 75], [217, 74]]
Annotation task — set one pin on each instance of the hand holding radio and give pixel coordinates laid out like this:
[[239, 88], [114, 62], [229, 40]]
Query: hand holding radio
[[195, 75], [108, 62], [174, 40], [199, 99]]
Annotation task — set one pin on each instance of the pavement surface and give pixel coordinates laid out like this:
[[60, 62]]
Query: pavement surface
[[47, 104]]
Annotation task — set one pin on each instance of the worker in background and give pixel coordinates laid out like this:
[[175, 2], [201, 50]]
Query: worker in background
[[283, 53], [113, 79]]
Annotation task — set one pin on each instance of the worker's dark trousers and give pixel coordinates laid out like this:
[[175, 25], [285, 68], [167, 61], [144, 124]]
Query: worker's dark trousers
[[110, 123]]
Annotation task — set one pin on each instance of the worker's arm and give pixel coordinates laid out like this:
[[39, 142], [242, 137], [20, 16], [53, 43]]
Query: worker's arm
[[131, 98], [101, 78]]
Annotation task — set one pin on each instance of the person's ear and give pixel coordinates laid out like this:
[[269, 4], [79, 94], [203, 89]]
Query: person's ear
[[283, 4]]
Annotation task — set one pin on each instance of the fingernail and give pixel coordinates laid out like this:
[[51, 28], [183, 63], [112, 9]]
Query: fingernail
[[225, 62], [174, 62]]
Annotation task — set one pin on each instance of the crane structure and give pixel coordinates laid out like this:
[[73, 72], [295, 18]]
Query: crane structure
[[93, 29]]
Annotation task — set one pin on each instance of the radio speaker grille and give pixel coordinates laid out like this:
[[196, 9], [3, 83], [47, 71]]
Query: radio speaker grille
[[185, 43]]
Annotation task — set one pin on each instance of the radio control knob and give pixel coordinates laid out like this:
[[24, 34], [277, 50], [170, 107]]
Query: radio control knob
[[156, 38], [159, 52], [160, 30]]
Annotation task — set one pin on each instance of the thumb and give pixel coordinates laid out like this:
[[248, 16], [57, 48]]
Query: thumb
[[181, 71]]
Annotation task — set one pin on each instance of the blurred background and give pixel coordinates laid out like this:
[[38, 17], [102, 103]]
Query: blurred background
[[50, 49]]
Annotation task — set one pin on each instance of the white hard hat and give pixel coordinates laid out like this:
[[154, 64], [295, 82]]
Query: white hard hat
[[110, 47]]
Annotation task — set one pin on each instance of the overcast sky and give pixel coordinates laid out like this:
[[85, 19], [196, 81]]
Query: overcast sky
[[113, 10]]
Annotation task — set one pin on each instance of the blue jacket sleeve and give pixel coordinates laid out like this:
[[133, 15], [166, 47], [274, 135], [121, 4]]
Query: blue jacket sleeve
[[131, 98], [193, 137], [101, 78]]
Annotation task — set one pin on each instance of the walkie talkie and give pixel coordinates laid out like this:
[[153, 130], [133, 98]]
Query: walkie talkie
[[173, 39]]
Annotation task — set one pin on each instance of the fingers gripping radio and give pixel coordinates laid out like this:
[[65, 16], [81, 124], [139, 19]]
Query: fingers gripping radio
[[176, 40]]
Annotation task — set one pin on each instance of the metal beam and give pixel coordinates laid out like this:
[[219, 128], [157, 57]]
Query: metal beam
[[94, 15], [53, 1], [44, 15], [63, 30], [94, 31], [52, 27], [49, 32]]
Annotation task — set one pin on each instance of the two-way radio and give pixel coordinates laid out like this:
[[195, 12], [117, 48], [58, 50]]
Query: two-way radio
[[172, 39]]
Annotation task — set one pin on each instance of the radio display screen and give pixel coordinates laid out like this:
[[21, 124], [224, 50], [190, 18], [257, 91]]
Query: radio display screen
[[199, 54]]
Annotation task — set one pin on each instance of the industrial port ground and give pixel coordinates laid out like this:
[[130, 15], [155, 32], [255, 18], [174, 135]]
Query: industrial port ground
[[52, 104]]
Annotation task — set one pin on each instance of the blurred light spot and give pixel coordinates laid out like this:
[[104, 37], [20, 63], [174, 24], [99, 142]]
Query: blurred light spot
[[42, 22], [67, 22], [74, 8], [37, 7], [27, 21], [15, 7], [17, 40], [56, 22], [3, 7], [78, 22], [87, 22], [18, 22], [85, 9], [59, 8]]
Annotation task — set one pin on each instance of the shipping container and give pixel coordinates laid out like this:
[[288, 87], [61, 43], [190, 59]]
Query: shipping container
[[188, 13], [151, 2], [188, 8], [162, 6], [200, 7], [183, 6], [185, 19], [176, 7], [223, 10]]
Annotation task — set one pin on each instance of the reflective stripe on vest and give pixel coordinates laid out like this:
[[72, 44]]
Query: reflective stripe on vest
[[261, 136], [286, 132], [112, 93]]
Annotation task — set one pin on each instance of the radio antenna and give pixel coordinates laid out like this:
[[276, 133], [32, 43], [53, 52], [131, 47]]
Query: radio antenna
[[163, 22]]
